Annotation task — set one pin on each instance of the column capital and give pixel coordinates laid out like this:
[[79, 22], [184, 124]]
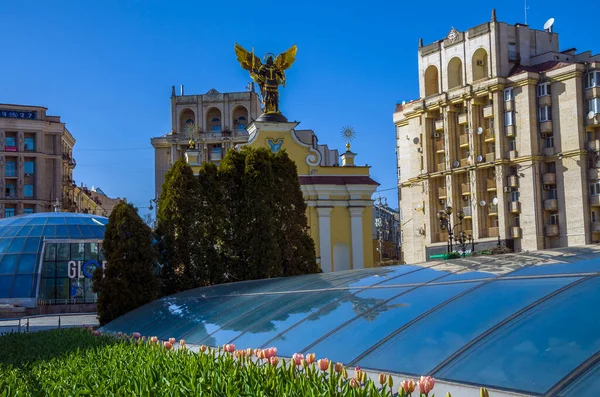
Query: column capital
[[356, 211], [324, 211]]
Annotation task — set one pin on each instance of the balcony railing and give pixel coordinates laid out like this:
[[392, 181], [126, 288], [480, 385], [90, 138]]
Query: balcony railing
[[512, 154], [490, 157], [439, 146], [464, 162], [548, 151], [439, 125], [468, 211], [463, 118], [441, 166], [488, 111], [514, 207], [515, 232], [513, 181], [551, 205], [10, 149], [490, 184], [464, 140], [594, 145], [551, 230], [595, 201], [546, 127], [595, 227], [465, 188], [489, 136], [442, 192], [493, 210], [549, 178]]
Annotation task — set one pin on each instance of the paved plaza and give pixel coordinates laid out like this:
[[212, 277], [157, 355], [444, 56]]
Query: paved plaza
[[43, 323]]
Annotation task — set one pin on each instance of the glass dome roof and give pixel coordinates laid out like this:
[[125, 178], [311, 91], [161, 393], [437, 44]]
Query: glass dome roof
[[524, 328], [21, 242]]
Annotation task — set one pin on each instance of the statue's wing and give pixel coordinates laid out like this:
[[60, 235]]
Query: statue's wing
[[285, 59], [248, 60]]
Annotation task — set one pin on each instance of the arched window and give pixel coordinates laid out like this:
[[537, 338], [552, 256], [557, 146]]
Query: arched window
[[241, 123], [185, 117], [480, 64], [240, 118], [213, 120], [455, 73], [432, 86], [215, 124]]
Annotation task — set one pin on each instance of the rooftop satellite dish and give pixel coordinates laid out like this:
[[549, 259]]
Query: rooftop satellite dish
[[482, 203], [456, 164], [548, 25], [480, 158], [495, 201], [479, 130], [591, 114]]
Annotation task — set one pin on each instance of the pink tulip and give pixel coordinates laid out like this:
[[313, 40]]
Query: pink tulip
[[203, 348], [167, 345], [297, 359], [323, 364], [354, 383], [357, 373], [274, 360], [249, 352], [154, 339], [136, 335], [339, 367], [408, 386], [310, 358], [120, 334], [172, 341], [96, 333], [270, 352], [229, 348], [382, 378], [182, 343], [426, 384]]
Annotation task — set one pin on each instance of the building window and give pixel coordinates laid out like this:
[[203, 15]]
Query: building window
[[594, 105], [215, 124], [508, 94], [512, 52], [28, 210], [552, 194], [241, 123], [10, 190], [509, 118], [30, 144], [512, 144], [8, 212], [11, 168], [545, 113], [543, 89], [28, 191], [554, 219], [514, 196], [11, 144], [592, 79], [28, 168], [593, 214], [595, 188], [549, 142]]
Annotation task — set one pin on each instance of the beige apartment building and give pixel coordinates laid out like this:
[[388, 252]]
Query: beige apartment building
[[507, 132], [36, 160], [212, 123]]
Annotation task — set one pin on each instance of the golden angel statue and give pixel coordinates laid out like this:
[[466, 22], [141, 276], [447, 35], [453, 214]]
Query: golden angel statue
[[269, 75]]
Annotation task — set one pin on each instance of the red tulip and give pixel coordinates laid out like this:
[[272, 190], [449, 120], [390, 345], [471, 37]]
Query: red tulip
[[297, 359], [323, 364], [167, 345], [136, 335]]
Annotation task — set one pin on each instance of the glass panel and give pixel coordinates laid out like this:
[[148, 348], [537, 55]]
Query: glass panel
[[48, 288], [49, 269], [589, 266], [98, 231], [22, 286], [50, 252], [56, 220], [77, 251], [586, 385], [4, 243], [433, 339], [77, 288], [62, 269], [538, 349], [89, 294], [5, 282], [372, 326], [74, 231], [62, 231], [12, 231], [330, 317], [49, 231], [37, 221], [32, 244], [75, 220], [8, 264], [26, 264], [25, 230], [63, 252], [91, 251], [85, 230], [16, 246], [36, 231], [62, 288]]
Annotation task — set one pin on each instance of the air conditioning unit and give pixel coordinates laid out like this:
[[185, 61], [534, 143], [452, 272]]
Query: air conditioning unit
[[436, 134], [480, 63], [26, 174], [507, 189], [547, 187]]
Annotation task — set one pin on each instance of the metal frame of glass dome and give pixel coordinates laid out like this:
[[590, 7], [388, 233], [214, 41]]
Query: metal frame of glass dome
[[24, 242], [464, 324]]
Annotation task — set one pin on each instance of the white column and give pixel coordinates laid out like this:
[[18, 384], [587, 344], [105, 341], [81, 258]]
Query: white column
[[356, 222], [324, 214]]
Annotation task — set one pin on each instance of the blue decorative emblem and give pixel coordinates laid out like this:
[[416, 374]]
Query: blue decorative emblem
[[86, 272], [275, 144]]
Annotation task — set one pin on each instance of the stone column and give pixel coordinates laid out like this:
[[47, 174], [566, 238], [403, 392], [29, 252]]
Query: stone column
[[324, 214], [356, 219]]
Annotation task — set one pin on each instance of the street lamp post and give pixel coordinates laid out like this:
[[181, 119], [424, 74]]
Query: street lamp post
[[461, 237]]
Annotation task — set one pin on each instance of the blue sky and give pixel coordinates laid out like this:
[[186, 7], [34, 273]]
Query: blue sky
[[107, 67]]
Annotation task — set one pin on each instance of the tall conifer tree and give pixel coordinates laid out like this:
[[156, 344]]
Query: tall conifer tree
[[128, 281]]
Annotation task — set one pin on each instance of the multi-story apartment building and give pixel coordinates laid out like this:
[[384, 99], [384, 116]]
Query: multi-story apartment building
[[211, 124], [506, 132], [386, 233], [36, 160]]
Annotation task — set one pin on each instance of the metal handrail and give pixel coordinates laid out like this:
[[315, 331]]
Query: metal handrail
[[59, 315]]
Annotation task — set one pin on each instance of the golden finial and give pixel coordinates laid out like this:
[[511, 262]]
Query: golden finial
[[348, 147], [348, 135], [192, 144]]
